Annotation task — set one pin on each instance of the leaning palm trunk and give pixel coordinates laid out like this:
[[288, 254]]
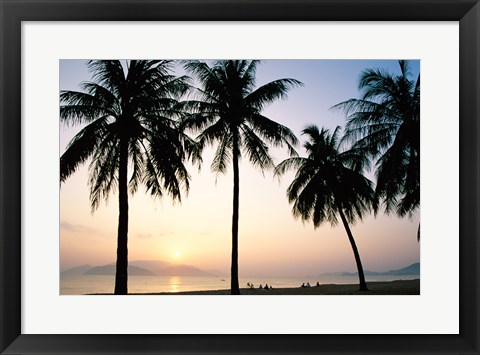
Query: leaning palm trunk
[[329, 182], [121, 276], [361, 276], [234, 285]]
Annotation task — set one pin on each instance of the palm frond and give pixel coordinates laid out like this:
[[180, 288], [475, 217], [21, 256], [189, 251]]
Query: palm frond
[[102, 94], [271, 92], [82, 147], [249, 75], [138, 163], [103, 178], [273, 132], [215, 132], [109, 74], [78, 108], [223, 154], [256, 149], [288, 164]]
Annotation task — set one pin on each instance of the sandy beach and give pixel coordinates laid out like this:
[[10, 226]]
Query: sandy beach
[[400, 287]]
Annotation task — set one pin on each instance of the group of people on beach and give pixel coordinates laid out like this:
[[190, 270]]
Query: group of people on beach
[[266, 287], [308, 285]]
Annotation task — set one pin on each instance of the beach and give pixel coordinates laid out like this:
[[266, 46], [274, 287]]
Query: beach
[[398, 287]]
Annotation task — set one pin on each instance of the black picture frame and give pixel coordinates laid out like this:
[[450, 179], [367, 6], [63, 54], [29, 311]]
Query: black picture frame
[[13, 12]]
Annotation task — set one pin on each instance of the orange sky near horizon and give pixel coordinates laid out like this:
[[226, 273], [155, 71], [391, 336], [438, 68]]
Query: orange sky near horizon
[[198, 231]]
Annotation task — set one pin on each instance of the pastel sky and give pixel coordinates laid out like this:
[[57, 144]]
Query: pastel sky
[[198, 231]]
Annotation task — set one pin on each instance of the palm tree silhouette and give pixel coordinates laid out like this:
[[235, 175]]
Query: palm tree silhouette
[[228, 112], [329, 182], [130, 119], [385, 123]]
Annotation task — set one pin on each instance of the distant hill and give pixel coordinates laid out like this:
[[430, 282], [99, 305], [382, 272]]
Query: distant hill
[[152, 265], [143, 268], [183, 270], [413, 269], [110, 270], [77, 270], [335, 273]]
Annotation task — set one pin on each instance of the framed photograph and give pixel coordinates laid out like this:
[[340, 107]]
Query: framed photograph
[[324, 246]]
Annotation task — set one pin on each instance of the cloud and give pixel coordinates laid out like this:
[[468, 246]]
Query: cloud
[[78, 228], [165, 234]]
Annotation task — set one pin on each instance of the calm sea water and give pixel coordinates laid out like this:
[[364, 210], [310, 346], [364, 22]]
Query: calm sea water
[[87, 284]]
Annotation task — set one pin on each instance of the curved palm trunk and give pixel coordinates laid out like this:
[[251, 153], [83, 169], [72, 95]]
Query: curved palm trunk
[[121, 275], [361, 276], [234, 286]]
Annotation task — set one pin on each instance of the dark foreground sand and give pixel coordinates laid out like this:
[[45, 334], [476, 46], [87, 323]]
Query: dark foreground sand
[[400, 287]]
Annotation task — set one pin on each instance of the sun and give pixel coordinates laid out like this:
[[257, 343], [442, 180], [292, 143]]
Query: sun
[[177, 254]]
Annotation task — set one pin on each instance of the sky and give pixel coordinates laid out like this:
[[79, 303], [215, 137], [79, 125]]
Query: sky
[[198, 231]]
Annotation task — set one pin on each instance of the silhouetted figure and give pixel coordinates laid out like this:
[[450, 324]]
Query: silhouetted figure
[[303, 285], [308, 284], [318, 285], [266, 286], [261, 288]]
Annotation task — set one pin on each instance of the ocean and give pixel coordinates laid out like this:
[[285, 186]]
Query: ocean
[[88, 284]]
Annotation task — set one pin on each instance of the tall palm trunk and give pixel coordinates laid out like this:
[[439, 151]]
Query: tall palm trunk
[[234, 286], [121, 276], [361, 276]]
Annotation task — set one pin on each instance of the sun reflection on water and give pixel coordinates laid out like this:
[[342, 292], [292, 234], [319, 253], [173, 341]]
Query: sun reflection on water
[[174, 283]]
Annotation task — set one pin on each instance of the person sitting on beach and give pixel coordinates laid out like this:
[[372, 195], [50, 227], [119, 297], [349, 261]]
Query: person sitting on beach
[[318, 285], [308, 284], [303, 285], [261, 288], [266, 286]]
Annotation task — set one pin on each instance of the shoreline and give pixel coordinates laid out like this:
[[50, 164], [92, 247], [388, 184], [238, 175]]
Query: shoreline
[[397, 287]]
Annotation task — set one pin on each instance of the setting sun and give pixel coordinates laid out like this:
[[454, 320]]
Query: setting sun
[[177, 253]]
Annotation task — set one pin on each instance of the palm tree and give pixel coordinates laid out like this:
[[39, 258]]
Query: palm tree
[[385, 123], [229, 112], [129, 120], [329, 182]]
